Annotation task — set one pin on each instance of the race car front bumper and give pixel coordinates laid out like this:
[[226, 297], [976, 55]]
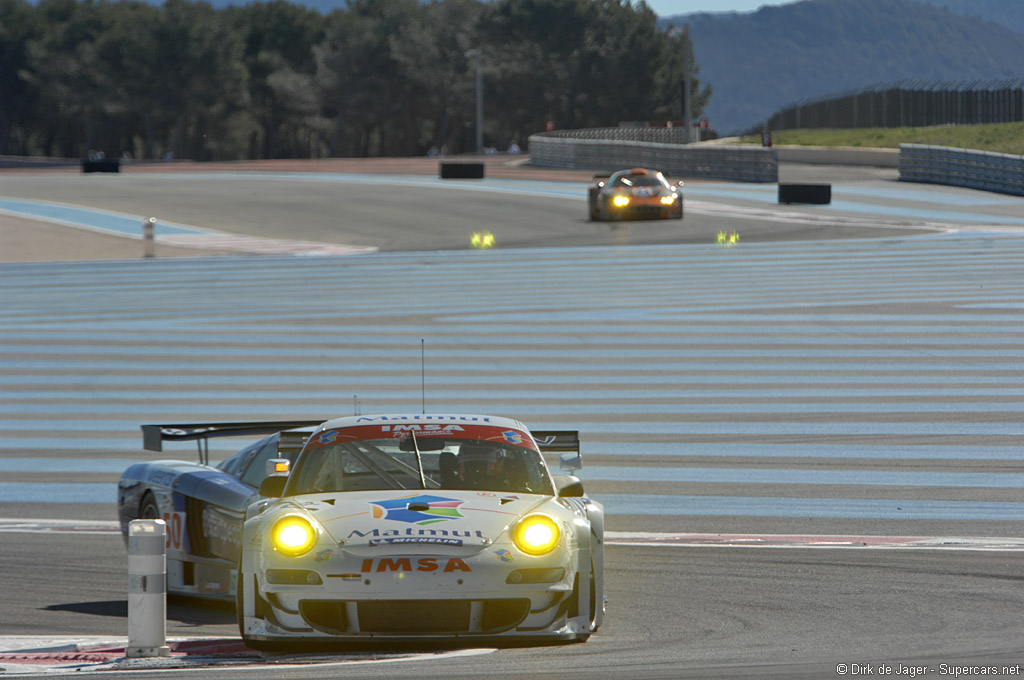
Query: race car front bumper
[[481, 596]]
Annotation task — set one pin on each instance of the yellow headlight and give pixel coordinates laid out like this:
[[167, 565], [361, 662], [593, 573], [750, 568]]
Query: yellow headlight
[[536, 535], [668, 200], [293, 536], [621, 201]]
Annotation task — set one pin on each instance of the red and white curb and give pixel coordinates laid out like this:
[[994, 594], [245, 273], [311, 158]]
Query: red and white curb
[[641, 538], [50, 655], [42, 654]]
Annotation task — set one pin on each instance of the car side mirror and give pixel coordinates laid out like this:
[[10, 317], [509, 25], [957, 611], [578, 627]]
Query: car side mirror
[[569, 486], [273, 487]]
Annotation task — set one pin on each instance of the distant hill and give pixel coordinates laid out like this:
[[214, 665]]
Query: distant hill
[[1006, 13], [758, 62]]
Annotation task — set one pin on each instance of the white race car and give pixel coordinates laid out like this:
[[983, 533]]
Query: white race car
[[400, 527]]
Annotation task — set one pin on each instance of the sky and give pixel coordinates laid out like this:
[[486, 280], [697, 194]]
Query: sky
[[667, 8]]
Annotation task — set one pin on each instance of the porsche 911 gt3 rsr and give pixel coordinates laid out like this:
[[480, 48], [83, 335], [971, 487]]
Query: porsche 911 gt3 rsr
[[395, 527], [635, 194]]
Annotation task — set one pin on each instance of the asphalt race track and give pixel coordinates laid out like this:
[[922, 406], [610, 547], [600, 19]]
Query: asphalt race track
[[808, 438]]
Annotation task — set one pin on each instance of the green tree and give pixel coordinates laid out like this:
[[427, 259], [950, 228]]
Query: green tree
[[18, 27], [278, 38], [367, 101], [433, 48], [202, 83], [676, 60], [535, 50], [585, 63], [65, 72], [377, 78], [125, 84]]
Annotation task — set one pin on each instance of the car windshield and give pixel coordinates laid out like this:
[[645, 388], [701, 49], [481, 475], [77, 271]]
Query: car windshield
[[637, 181], [395, 463]]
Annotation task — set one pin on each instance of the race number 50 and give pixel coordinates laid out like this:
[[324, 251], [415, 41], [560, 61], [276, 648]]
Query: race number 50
[[174, 522]]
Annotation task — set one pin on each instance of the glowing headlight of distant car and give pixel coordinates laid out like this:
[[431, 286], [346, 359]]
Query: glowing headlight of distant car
[[668, 200], [620, 201], [536, 535], [293, 536]]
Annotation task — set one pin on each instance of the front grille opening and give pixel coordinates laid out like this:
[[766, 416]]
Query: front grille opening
[[325, 616], [502, 615], [416, 617]]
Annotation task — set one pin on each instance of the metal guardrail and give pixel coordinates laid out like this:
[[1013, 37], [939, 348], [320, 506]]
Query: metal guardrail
[[743, 163], [984, 170]]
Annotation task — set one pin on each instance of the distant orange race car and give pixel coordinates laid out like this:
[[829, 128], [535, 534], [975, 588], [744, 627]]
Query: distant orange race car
[[637, 194]]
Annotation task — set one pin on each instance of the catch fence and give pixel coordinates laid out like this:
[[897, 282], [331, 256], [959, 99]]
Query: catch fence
[[905, 104], [589, 150]]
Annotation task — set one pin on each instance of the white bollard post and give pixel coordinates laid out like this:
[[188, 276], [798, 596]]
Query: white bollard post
[[147, 237], [147, 588]]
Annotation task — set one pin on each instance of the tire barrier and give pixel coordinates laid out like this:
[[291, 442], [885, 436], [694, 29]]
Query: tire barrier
[[462, 171], [742, 163], [815, 194], [101, 166], [968, 168]]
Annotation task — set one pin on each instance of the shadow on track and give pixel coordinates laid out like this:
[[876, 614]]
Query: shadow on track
[[187, 611]]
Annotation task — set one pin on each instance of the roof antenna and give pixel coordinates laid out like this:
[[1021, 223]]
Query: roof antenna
[[423, 377]]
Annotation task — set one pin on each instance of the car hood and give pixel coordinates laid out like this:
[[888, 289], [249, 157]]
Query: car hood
[[439, 521]]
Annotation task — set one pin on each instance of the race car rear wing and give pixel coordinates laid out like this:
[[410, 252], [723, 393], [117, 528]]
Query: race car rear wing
[[557, 441], [564, 442], [153, 436]]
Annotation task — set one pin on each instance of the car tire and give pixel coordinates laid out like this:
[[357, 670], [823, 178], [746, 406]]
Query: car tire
[[593, 599], [240, 603], [148, 508], [240, 612]]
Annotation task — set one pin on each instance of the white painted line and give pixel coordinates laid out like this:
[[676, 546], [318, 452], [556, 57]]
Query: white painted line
[[58, 526], [789, 217], [196, 237], [258, 246], [660, 539]]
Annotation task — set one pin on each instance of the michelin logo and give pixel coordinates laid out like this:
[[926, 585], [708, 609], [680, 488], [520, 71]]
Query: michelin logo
[[435, 540]]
